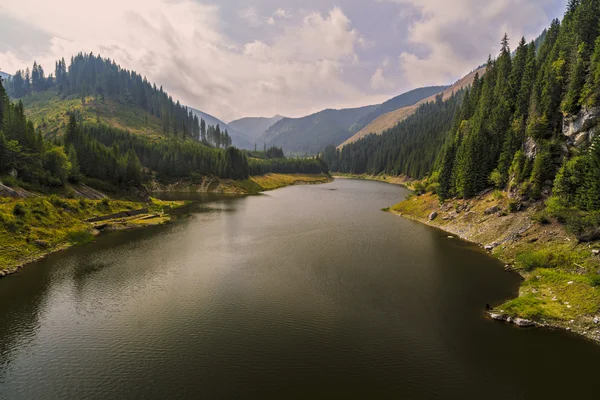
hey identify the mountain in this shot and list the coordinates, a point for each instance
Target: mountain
(254, 127)
(393, 118)
(311, 134)
(240, 139)
(4, 75)
(403, 100)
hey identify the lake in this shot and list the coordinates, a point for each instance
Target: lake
(303, 292)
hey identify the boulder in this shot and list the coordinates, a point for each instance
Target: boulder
(41, 244)
(433, 216)
(498, 317)
(523, 323)
(596, 252)
(492, 210)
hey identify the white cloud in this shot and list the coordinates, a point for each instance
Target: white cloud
(377, 80)
(453, 37)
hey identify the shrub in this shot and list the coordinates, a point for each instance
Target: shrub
(57, 201)
(19, 210)
(595, 280)
(497, 195)
(513, 206)
(10, 181)
(541, 217)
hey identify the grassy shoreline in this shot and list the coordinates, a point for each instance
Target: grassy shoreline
(560, 287)
(252, 185)
(394, 180)
(33, 227)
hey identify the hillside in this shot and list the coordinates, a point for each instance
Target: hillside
(393, 118)
(254, 127)
(50, 111)
(240, 138)
(311, 134)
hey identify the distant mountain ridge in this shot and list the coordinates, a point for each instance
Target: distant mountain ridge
(311, 134)
(254, 127)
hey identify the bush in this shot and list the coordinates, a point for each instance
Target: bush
(10, 181)
(497, 195)
(595, 280)
(19, 210)
(513, 206)
(541, 217)
(57, 201)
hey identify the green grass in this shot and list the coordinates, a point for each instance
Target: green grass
(49, 112)
(553, 294)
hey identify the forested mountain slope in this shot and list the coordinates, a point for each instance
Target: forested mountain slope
(411, 148)
(394, 117)
(254, 127)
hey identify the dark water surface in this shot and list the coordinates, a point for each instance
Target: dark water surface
(305, 292)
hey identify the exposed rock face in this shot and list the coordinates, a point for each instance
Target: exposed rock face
(530, 148)
(580, 128)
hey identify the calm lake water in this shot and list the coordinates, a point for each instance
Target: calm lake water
(304, 292)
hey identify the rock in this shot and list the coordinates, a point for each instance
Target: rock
(433, 216)
(523, 323)
(530, 148)
(596, 252)
(492, 210)
(41, 243)
(596, 320)
(580, 128)
(499, 317)
(489, 247)
(570, 283)
(509, 320)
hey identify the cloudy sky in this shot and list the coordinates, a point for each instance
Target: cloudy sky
(234, 58)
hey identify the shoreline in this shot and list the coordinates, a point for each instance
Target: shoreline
(401, 180)
(159, 213)
(506, 236)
